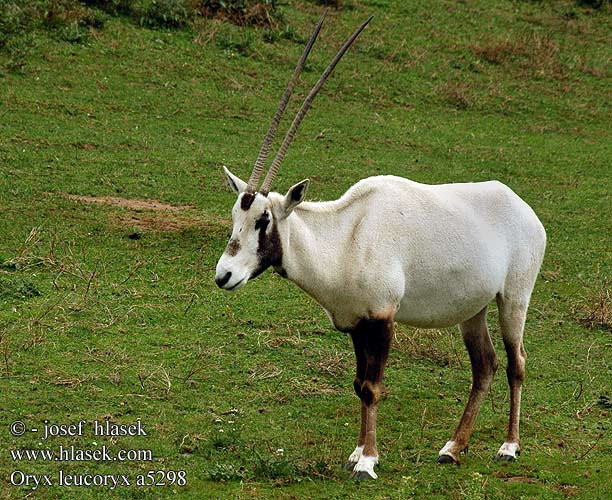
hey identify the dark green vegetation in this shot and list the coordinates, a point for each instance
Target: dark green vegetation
(108, 304)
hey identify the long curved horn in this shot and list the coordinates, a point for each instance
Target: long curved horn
(265, 148)
(265, 187)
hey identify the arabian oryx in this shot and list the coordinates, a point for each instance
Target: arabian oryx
(391, 249)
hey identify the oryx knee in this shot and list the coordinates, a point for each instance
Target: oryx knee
(370, 393)
(515, 372)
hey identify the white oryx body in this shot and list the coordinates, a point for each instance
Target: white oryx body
(388, 250)
(431, 255)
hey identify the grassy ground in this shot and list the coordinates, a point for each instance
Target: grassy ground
(108, 307)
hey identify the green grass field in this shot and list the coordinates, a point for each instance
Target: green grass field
(113, 213)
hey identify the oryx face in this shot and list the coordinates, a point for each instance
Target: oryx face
(254, 244)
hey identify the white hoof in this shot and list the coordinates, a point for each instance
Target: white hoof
(508, 452)
(449, 453)
(356, 455)
(354, 458)
(364, 468)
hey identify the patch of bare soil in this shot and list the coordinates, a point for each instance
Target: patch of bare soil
(511, 478)
(127, 203)
(147, 215)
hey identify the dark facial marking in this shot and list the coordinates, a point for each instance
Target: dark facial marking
(269, 248)
(247, 201)
(233, 247)
(262, 222)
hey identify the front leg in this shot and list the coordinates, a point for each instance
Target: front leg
(356, 455)
(361, 359)
(371, 339)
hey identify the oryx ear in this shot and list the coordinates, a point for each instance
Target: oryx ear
(237, 185)
(294, 197)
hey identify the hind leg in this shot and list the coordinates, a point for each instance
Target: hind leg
(484, 364)
(512, 316)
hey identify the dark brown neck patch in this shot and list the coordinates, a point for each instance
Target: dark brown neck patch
(269, 248)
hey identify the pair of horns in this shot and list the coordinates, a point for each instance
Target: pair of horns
(265, 148)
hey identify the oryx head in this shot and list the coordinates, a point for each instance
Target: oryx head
(255, 243)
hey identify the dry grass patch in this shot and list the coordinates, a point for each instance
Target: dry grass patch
(335, 365)
(595, 310)
(435, 346)
(531, 54)
(458, 95)
(147, 215)
(265, 372)
(131, 204)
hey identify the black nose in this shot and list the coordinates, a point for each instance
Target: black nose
(222, 281)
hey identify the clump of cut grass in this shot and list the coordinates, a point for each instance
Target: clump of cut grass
(596, 310)
(156, 381)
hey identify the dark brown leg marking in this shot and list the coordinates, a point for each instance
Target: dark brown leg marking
(371, 340)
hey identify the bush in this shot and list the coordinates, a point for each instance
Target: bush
(67, 19)
(166, 14)
(73, 20)
(113, 7)
(15, 19)
(336, 4)
(242, 12)
(22, 16)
